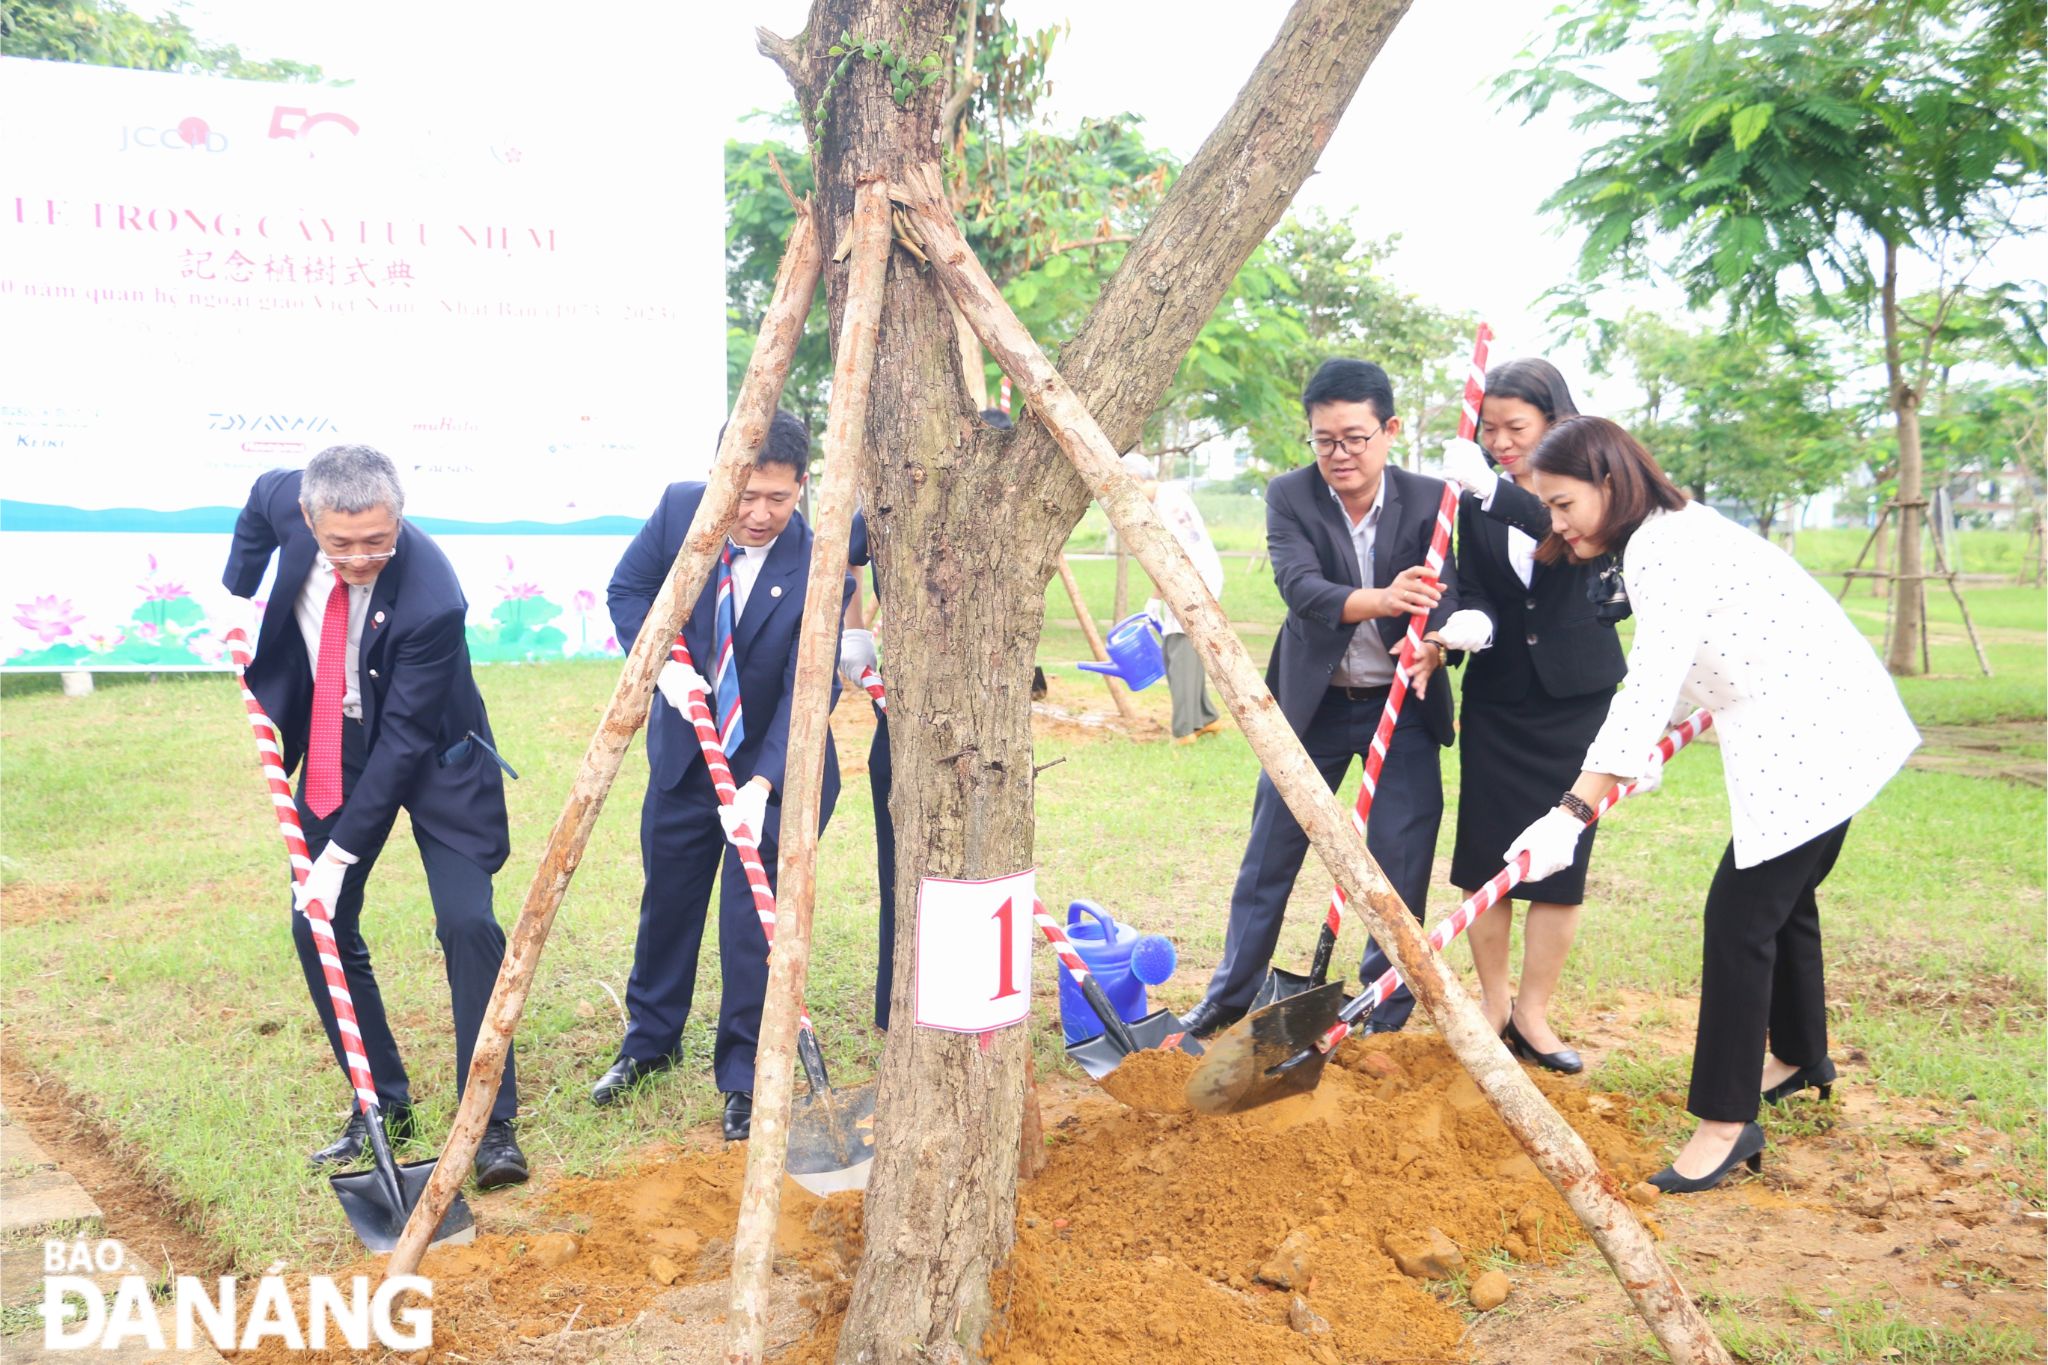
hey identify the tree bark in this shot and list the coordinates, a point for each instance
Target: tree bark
(967, 525)
(781, 330)
(803, 781)
(1555, 1147)
(1909, 590)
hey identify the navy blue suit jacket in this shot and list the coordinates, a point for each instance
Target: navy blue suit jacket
(764, 644)
(1309, 545)
(419, 696)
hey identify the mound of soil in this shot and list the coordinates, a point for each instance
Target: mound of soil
(1159, 1237)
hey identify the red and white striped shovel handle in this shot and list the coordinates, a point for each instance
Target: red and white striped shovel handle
(1504, 881)
(318, 916)
(745, 841)
(1439, 546)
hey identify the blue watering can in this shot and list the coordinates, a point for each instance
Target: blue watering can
(1106, 947)
(1136, 652)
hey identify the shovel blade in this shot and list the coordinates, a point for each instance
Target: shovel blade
(1244, 1065)
(1161, 1029)
(832, 1139)
(1278, 985)
(366, 1199)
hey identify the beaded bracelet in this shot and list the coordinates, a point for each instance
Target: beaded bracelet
(1570, 802)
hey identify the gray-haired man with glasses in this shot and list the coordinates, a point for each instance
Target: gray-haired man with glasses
(363, 665)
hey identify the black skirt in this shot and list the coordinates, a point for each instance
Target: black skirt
(1514, 760)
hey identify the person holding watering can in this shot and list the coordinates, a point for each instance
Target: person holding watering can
(1810, 729)
(1347, 536)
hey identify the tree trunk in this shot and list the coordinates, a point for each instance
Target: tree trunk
(968, 524)
(1909, 590)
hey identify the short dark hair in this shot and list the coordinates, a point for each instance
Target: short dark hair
(789, 443)
(1349, 381)
(1597, 451)
(997, 418)
(1535, 382)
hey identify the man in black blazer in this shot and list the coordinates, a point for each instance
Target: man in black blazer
(394, 719)
(1347, 537)
(682, 828)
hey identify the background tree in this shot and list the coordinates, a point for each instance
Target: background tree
(1809, 145)
(103, 33)
(1738, 414)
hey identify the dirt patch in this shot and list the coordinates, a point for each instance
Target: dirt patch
(31, 902)
(2010, 750)
(1152, 1080)
(154, 1226)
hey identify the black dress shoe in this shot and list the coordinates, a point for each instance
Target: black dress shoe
(625, 1073)
(400, 1126)
(739, 1115)
(1820, 1075)
(1564, 1060)
(1748, 1150)
(1208, 1019)
(499, 1162)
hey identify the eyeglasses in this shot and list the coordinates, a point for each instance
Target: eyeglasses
(358, 561)
(1326, 446)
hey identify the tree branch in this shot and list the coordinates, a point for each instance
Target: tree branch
(786, 53)
(968, 79)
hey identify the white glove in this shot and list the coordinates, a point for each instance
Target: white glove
(856, 653)
(1652, 776)
(676, 681)
(1550, 843)
(1465, 465)
(750, 808)
(1468, 630)
(323, 883)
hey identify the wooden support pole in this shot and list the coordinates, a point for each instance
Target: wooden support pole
(817, 657)
(1117, 693)
(781, 330)
(1556, 1149)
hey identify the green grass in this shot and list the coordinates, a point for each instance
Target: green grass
(146, 963)
(1862, 1331)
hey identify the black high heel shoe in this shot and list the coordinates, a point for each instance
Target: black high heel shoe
(1565, 1060)
(1748, 1151)
(1820, 1075)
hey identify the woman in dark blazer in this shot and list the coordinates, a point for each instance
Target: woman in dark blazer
(1536, 691)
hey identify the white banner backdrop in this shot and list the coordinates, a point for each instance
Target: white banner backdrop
(202, 279)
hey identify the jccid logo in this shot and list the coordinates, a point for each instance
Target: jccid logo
(78, 1314)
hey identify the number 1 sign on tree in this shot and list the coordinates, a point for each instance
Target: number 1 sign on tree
(974, 952)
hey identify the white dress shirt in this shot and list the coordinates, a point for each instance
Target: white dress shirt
(1177, 510)
(311, 612)
(1366, 662)
(746, 567)
(1810, 725)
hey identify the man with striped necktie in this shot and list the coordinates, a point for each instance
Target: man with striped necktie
(742, 632)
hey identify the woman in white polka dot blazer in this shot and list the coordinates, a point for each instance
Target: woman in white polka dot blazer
(1810, 729)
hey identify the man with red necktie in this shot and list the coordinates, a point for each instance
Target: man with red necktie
(742, 633)
(362, 664)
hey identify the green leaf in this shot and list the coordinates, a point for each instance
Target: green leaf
(1748, 125)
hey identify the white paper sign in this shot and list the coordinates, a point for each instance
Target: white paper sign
(974, 952)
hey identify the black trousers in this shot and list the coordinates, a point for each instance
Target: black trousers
(682, 849)
(1760, 975)
(472, 945)
(879, 780)
(1408, 806)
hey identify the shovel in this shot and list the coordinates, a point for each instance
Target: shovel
(378, 1201)
(831, 1132)
(1105, 1052)
(1281, 1050)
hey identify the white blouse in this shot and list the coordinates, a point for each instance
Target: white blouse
(1810, 724)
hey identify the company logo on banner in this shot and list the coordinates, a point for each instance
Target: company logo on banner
(204, 279)
(974, 952)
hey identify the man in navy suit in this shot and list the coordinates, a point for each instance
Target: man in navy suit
(742, 635)
(1347, 537)
(362, 664)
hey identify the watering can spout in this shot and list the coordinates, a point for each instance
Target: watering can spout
(1136, 653)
